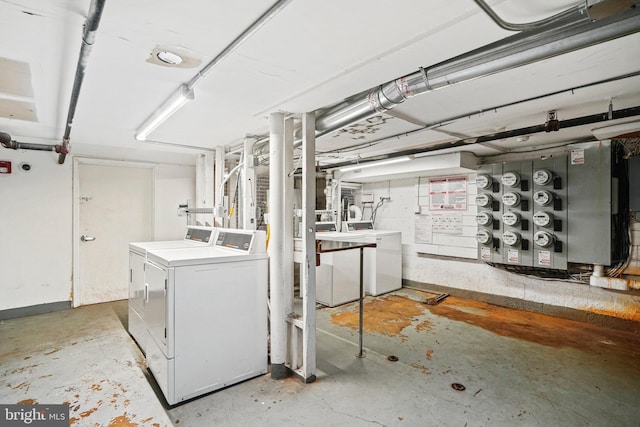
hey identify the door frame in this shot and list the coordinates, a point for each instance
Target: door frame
(75, 235)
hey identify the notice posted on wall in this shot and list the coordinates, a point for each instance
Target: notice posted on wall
(449, 223)
(423, 229)
(485, 253)
(448, 194)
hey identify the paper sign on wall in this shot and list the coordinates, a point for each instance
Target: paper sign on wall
(448, 194)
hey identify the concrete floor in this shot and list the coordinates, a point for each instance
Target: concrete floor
(517, 368)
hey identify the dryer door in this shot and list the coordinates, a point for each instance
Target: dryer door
(156, 307)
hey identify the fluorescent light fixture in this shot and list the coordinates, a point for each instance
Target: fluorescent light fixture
(378, 163)
(168, 107)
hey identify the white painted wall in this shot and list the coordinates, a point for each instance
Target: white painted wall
(35, 230)
(173, 186)
(423, 263)
(36, 225)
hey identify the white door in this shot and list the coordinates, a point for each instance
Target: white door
(114, 208)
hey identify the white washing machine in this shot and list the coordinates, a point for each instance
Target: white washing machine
(207, 314)
(382, 264)
(338, 275)
(195, 236)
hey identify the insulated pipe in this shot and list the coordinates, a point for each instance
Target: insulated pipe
(515, 51)
(288, 215)
(88, 38)
(276, 247)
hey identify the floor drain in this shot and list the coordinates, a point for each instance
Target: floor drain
(458, 387)
(392, 358)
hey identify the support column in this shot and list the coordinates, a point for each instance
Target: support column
(204, 186)
(218, 186)
(248, 187)
(308, 278)
(288, 215)
(276, 246)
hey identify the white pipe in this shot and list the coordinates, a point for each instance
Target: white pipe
(219, 176)
(276, 248)
(248, 187)
(598, 270)
(288, 215)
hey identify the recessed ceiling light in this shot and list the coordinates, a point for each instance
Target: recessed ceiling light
(169, 57)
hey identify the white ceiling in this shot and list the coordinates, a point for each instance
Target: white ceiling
(311, 55)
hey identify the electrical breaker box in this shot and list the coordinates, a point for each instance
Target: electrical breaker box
(590, 206)
(551, 211)
(634, 190)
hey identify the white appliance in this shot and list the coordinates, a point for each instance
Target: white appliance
(338, 275)
(195, 236)
(382, 264)
(207, 314)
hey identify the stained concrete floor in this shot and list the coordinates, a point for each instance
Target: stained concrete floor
(516, 367)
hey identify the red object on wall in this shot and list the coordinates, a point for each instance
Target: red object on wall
(5, 166)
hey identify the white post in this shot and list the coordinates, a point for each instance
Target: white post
(218, 187)
(276, 248)
(204, 186)
(288, 215)
(309, 246)
(248, 187)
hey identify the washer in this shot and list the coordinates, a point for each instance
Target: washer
(195, 236)
(206, 314)
(382, 264)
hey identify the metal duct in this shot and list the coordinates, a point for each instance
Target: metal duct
(88, 38)
(515, 51)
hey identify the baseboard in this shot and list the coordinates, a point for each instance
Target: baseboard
(510, 302)
(32, 310)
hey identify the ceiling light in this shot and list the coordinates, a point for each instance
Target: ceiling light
(168, 107)
(378, 163)
(169, 57)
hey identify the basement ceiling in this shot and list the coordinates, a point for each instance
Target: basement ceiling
(308, 57)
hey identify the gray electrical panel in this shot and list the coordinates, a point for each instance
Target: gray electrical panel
(516, 213)
(550, 201)
(634, 188)
(550, 211)
(590, 203)
(488, 216)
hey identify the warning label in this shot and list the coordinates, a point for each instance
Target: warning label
(577, 157)
(544, 258)
(485, 253)
(513, 256)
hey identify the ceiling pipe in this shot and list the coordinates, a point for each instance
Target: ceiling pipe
(530, 130)
(88, 39)
(7, 142)
(514, 51)
(577, 12)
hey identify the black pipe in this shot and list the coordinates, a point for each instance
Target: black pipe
(564, 124)
(88, 38)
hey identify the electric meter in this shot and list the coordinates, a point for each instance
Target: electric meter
(510, 179)
(543, 239)
(484, 218)
(511, 199)
(510, 238)
(542, 177)
(511, 218)
(484, 182)
(484, 237)
(542, 219)
(542, 197)
(483, 200)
